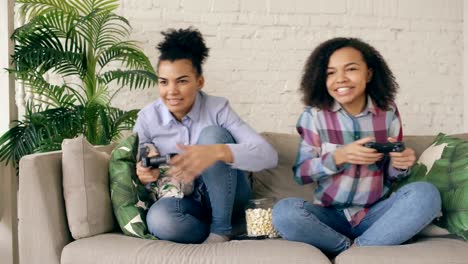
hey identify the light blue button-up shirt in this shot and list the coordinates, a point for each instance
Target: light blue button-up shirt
(156, 125)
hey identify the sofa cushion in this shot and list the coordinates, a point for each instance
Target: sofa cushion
(445, 164)
(279, 182)
(418, 143)
(422, 251)
(115, 248)
(130, 199)
(86, 188)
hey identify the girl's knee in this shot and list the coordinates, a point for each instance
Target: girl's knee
(160, 217)
(215, 135)
(284, 210)
(426, 195)
(166, 221)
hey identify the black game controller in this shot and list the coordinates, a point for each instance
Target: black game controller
(386, 147)
(154, 162)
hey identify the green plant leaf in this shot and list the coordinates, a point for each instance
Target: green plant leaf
(76, 41)
(29, 9)
(132, 78)
(128, 54)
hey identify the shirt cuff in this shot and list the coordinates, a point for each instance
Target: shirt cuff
(329, 163)
(242, 159)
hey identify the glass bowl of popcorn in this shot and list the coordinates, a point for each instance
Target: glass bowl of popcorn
(259, 218)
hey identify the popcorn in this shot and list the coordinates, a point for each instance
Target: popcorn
(259, 222)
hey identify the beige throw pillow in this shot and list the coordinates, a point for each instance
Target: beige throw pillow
(86, 188)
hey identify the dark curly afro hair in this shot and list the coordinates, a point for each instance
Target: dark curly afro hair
(382, 87)
(184, 44)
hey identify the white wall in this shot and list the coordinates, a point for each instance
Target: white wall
(258, 49)
(8, 112)
(8, 109)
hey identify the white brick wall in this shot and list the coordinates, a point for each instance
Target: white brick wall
(258, 48)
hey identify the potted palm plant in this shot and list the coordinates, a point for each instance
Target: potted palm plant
(84, 42)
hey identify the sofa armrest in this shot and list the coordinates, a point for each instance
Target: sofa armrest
(42, 224)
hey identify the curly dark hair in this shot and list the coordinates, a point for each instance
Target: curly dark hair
(184, 44)
(382, 87)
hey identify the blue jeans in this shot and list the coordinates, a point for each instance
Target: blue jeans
(220, 196)
(389, 222)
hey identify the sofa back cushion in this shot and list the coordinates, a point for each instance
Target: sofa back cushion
(420, 143)
(279, 182)
(86, 188)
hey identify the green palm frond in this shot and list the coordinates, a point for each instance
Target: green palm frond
(33, 8)
(19, 141)
(61, 122)
(132, 78)
(60, 98)
(88, 6)
(29, 9)
(99, 97)
(104, 29)
(42, 50)
(39, 132)
(62, 23)
(49, 94)
(128, 53)
(44, 59)
(66, 27)
(121, 120)
(106, 5)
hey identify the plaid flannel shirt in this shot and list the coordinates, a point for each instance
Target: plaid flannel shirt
(349, 187)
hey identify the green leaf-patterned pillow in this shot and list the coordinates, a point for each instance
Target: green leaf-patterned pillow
(130, 199)
(445, 164)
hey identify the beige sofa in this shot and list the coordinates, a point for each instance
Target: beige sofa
(44, 236)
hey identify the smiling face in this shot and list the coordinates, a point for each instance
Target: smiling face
(178, 86)
(347, 76)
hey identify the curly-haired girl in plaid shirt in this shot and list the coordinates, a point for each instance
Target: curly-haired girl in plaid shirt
(349, 91)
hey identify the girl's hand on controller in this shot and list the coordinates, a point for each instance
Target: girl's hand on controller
(356, 153)
(402, 160)
(148, 175)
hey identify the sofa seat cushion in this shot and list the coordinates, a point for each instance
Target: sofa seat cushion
(422, 251)
(118, 248)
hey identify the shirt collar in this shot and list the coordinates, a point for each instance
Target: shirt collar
(370, 107)
(194, 113)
